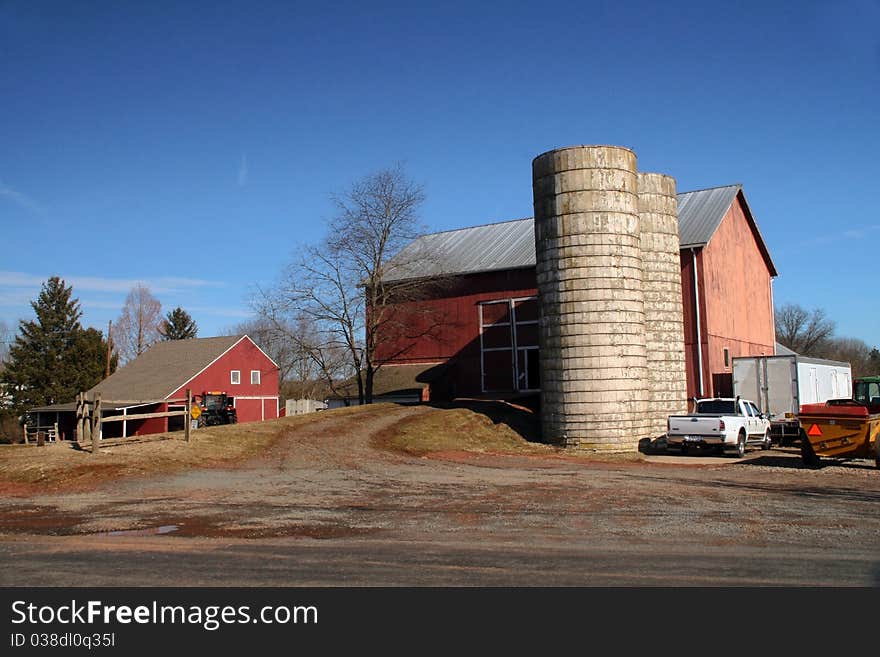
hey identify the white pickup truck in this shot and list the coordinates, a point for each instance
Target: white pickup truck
(723, 423)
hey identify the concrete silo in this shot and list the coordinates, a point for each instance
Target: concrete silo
(594, 378)
(664, 320)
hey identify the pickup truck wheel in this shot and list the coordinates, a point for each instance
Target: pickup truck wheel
(741, 445)
(765, 444)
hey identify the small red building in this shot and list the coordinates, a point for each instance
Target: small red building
(157, 381)
(477, 334)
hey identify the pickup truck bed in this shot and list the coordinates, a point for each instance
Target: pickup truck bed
(738, 425)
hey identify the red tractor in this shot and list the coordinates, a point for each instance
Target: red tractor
(217, 408)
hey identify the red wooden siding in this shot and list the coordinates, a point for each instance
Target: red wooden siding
(737, 294)
(446, 327)
(253, 402)
(691, 355)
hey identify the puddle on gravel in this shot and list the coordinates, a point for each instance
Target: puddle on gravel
(149, 531)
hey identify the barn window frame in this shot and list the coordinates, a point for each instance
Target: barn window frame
(515, 349)
(255, 380)
(234, 377)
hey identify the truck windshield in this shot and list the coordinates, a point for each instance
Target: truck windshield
(213, 402)
(867, 392)
(717, 406)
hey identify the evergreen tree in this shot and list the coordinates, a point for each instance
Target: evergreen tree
(53, 358)
(90, 357)
(178, 325)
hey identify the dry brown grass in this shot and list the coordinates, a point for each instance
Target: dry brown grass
(26, 469)
(482, 427)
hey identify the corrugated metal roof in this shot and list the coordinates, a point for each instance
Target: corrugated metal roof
(504, 245)
(511, 244)
(163, 368)
(700, 213)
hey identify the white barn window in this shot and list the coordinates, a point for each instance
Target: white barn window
(255, 377)
(235, 377)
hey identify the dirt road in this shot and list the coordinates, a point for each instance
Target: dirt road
(325, 506)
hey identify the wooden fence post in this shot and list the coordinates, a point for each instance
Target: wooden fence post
(24, 432)
(78, 418)
(98, 413)
(87, 419)
(187, 419)
(96, 423)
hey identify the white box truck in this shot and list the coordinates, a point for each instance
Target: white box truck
(781, 384)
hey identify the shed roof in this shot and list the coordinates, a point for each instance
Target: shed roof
(511, 244)
(163, 368)
(396, 379)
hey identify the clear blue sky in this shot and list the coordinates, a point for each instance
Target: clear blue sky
(193, 146)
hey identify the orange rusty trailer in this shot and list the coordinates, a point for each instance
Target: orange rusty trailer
(840, 429)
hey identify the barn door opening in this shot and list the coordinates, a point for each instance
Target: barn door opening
(496, 346)
(509, 345)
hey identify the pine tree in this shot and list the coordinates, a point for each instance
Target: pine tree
(90, 359)
(53, 358)
(178, 325)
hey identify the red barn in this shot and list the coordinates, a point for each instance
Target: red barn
(157, 380)
(484, 320)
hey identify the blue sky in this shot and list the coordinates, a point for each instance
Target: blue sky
(194, 146)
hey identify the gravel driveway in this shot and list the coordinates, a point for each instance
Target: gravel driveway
(325, 507)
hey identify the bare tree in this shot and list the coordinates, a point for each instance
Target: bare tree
(279, 341)
(854, 351)
(804, 332)
(350, 288)
(307, 368)
(139, 325)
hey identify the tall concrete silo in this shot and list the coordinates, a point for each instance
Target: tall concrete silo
(589, 270)
(664, 320)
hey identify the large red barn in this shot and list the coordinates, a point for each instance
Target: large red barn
(485, 339)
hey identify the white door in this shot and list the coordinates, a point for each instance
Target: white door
(814, 386)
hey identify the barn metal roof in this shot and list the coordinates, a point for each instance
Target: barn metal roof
(511, 244)
(700, 213)
(163, 368)
(503, 245)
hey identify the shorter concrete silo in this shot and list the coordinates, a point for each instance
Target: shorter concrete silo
(664, 321)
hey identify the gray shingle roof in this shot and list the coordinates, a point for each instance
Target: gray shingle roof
(163, 368)
(511, 244)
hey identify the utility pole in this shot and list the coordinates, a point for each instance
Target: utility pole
(109, 347)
